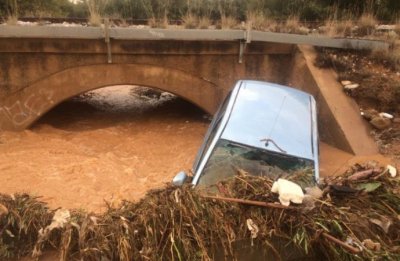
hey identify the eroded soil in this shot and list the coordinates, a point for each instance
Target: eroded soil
(379, 89)
(107, 145)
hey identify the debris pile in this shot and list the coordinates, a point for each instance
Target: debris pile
(351, 217)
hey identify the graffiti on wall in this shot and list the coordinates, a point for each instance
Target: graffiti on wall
(24, 111)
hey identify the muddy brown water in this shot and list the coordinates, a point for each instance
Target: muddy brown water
(110, 144)
(107, 145)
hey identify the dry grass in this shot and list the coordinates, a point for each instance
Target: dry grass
(228, 22)
(259, 21)
(389, 58)
(342, 28)
(12, 17)
(256, 20)
(190, 21)
(12, 20)
(96, 8)
(397, 27)
(153, 22)
(366, 24)
(293, 26)
(205, 22)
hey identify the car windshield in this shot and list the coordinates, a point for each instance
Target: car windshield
(228, 158)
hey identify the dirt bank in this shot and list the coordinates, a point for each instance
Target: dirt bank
(378, 77)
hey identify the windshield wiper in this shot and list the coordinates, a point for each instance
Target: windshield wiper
(267, 141)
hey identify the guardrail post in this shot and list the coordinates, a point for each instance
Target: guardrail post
(107, 39)
(243, 43)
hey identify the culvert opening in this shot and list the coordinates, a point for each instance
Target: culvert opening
(109, 144)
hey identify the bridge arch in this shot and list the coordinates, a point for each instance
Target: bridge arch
(19, 110)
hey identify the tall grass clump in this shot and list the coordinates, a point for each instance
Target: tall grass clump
(293, 25)
(228, 22)
(366, 24)
(341, 28)
(205, 22)
(190, 21)
(12, 17)
(153, 22)
(96, 9)
(257, 20)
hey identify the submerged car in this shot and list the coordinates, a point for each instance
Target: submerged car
(261, 128)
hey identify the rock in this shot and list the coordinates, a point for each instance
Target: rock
(344, 83)
(288, 192)
(386, 115)
(369, 114)
(380, 123)
(386, 27)
(392, 170)
(351, 86)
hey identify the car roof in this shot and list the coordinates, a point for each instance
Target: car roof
(263, 110)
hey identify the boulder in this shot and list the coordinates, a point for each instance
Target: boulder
(369, 114)
(380, 123)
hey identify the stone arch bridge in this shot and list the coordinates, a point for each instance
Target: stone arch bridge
(41, 66)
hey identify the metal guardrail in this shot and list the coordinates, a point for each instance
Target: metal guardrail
(88, 32)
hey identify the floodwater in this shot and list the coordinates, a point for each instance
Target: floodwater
(110, 144)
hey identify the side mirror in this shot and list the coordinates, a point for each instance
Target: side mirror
(179, 179)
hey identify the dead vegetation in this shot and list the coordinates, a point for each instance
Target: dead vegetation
(227, 22)
(96, 9)
(190, 21)
(12, 17)
(357, 217)
(340, 28)
(162, 23)
(366, 24)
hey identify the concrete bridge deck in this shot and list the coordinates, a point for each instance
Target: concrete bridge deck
(42, 66)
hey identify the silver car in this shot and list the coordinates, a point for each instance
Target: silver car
(260, 128)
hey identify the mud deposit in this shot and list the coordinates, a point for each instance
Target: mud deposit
(106, 145)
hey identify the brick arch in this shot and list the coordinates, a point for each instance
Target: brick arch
(19, 110)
